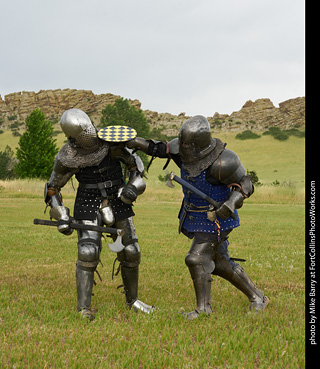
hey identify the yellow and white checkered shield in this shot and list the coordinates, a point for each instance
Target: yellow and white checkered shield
(117, 133)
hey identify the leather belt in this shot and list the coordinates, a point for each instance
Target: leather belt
(102, 186)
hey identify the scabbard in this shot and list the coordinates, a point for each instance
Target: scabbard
(116, 231)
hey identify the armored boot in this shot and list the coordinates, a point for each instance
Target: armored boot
(238, 277)
(130, 277)
(202, 287)
(85, 280)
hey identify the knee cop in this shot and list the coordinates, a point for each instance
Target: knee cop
(200, 254)
(130, 256)
(88, 254)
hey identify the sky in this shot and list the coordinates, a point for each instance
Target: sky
(192, 56)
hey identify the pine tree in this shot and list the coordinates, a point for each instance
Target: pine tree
(7, 164)
(37, 149)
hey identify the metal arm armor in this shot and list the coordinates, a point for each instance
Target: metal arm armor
(52, 196)
(60, 174)
(136, 184)
(139, 143)
(229, 170)
(154, 148)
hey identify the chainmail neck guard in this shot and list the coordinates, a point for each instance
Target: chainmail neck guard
(72, 156)
(195, 168)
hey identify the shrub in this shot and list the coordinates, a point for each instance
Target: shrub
(295, 132)
(254, 177)
(247, 135)
(280, 135)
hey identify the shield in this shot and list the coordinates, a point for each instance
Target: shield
(117, 133)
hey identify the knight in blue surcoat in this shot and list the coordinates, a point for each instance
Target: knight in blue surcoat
(209, 166)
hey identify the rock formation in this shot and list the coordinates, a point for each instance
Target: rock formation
(257, 115)
(18, 105)
(262, 114)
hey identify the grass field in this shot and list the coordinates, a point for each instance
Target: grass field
(39, 327)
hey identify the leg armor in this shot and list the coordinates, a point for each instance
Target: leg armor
(129, 259)
(235, 274)
(89, 248)
(200, 263)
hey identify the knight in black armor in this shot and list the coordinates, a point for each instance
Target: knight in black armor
(102, 198)
(218, 172)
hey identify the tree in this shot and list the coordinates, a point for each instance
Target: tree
(37, 149)
(124, 114)
(7, 163)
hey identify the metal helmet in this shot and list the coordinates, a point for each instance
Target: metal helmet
(195, 141)
(78, 128)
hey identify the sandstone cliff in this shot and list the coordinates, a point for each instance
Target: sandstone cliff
(262, 114)
(18, 105)
(257, 115)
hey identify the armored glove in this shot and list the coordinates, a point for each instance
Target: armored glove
(61, 213)
(128, 194)
(234, 201)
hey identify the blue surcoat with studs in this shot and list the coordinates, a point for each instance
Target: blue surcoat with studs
(193, 213)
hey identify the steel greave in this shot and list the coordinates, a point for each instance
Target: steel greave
(84, 280)
(202, 287)
(130, 278)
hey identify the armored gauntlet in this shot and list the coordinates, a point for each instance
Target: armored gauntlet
(58, 211)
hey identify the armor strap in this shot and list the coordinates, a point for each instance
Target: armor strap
(101, 170)
(169, 156)
(237, 185)
(87, 265)
(153, 155)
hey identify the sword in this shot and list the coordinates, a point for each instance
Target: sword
(202, 195)
(117, 246)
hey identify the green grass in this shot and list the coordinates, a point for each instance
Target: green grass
(39, 326)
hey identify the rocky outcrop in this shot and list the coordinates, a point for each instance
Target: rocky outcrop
(258, 115)
(262, 114)
(18, 105)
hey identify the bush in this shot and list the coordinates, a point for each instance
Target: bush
(254, 177)
(247, 135)
(295, 132)
(281, 136)
(276, 133)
